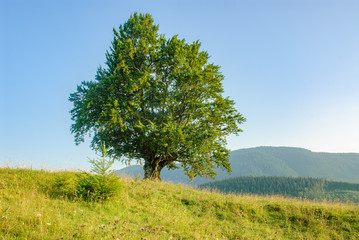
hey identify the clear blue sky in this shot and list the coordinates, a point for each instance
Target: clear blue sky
(292, 67)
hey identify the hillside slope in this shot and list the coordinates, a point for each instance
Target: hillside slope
(152, 210)
(274, 161)
(301, 187)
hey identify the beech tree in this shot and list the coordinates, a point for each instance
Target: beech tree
(158, 101)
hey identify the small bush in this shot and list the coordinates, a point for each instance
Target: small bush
(102, 184)
(63, 186)
(95, 187)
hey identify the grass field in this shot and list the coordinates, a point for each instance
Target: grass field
(29, 209)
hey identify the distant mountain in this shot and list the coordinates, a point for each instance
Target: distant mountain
(273, 161)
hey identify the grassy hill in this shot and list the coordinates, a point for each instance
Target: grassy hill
(274, 161)
(152, 210)
(311, 188)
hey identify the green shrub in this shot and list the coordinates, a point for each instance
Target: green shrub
(95, 187)
(63, 187)
(102, 184)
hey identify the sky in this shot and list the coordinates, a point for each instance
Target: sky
(292, 67)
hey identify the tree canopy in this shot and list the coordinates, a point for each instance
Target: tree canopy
(158, 101)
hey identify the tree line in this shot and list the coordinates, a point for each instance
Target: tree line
(301, 187)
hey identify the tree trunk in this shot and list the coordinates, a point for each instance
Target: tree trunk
(152, 171)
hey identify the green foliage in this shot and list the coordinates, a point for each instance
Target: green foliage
(158, 101)
(102, 166)
(309, 188)
(94, 188)
(63, 186)
(101, 185)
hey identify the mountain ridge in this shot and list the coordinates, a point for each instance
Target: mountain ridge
(273, 161)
